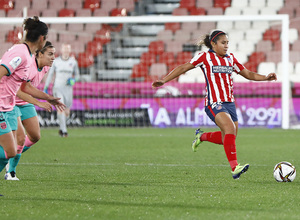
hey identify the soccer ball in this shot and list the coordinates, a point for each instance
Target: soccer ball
(284, 172)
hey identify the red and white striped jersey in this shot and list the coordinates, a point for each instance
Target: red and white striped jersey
(218, 75)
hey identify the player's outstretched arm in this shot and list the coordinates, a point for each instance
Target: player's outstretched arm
(31, 90)
(173, 74)
(28, 98)
(257, 77)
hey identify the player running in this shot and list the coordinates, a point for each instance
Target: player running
(217, 67)
(66, 72)
(15, 73)
(28, 119)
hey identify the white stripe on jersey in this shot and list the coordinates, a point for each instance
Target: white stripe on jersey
(215, 67)
(209, 59)
(213, 78)
(222, 80)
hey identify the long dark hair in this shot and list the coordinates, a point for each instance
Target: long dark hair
(208, 38)
(34, 28)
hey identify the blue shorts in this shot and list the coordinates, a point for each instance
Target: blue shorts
(27, 111)
(215, 108)
(8, 121)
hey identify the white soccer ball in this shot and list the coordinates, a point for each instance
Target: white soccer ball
(284, 172)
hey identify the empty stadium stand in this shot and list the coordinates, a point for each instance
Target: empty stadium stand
(116, 49)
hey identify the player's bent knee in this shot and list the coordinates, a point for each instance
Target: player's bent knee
(11, 153)
(21, 141)
(35, 138)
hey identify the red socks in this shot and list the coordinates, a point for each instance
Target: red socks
(230, 150)
(229, 145)
(213, 137)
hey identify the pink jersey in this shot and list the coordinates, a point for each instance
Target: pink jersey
(18, 62)
(218, 75)
(35, 81)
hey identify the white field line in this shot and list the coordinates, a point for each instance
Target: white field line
(134, 164)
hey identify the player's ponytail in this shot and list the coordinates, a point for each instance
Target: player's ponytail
(34, 28)
(204, 40)
(208, 38)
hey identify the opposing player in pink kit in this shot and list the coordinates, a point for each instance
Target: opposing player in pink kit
(28, 119)
(16, 69)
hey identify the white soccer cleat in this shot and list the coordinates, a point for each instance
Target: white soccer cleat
(7, 167)
(11, 176)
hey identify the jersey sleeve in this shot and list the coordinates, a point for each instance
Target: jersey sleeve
(237, 66)
(13, 60)
(198, 59)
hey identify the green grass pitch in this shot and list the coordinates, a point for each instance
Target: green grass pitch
(148, 173)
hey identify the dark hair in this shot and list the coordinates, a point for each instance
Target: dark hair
(48, 44)
(208, 38)
(34, 28)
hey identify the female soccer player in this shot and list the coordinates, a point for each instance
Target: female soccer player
(217, 67)
(28, 119)
(16, 72)
(66, 72)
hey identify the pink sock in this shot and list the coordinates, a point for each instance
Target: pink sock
(19, 149)
(213, 137)
(230, 150)
(28, 143)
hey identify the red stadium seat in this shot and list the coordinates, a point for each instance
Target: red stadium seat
(188, 4)
(14, 36)
(148, 59)
(66, 13)
(172, 26)
(157, 47)
(139, 70)
(167, 58)
(222, 4)
(272, 35)
(197, 11)
(94, 48)
(183, 57)
(103, 36)
(252, 66)
(85, 60)
(118, 12)
(257, 57)
(6, 5)
(91, 4)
